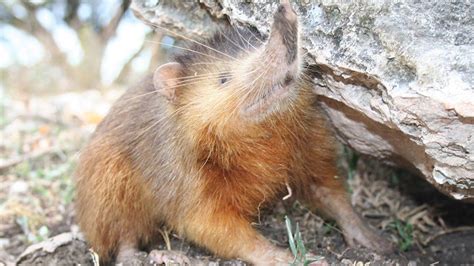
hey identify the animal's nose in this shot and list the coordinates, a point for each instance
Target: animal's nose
(286, 10)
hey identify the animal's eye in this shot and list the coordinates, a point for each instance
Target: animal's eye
(288, 80)
(224, 78)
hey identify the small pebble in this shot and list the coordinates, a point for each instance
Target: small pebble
(4, 242)
(19, 187)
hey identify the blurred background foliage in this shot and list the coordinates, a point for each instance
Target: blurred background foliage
(71, 45)
(62, 64)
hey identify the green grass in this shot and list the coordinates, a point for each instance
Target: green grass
(43, 178)
(405, 234)
(51, 185)
(297, 247)
(329, 227)
(394, 179)
(31, 235)
(352, 159)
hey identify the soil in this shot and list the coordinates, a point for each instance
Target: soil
(36, 203)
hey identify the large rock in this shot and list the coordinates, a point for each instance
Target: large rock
(395, 77)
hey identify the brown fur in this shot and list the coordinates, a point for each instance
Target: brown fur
(230, 179)
(204, 158)
(107, 204)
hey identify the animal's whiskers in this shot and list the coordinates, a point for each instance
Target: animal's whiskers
(185, 49)
(192, 40)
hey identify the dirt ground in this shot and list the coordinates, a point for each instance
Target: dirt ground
(41, 139)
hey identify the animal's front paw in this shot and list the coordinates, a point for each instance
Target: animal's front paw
(358, 232)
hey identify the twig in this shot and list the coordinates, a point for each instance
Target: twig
(33, 155)
(338, 255)
(447, 231)
(39, 118)
(166, 237)
(95, 257)
(289, 192)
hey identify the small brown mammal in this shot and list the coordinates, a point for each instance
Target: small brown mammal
(204, 142)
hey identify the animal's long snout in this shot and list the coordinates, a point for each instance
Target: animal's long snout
(287, 11)
(277, 63)
(285, 27)
(280, 54)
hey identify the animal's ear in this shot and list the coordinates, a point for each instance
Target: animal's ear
(166, 79)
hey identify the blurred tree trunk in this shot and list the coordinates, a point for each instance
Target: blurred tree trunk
(94, 45)
(157, 56)
(45, 37)
(93, 38)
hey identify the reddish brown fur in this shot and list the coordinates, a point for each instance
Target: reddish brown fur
(236, 178)
(103, 205)
(238, 175)
(202, 165)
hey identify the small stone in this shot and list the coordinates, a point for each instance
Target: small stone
(19, 187)
(4, 242)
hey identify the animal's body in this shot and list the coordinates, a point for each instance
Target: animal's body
(205, 142)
